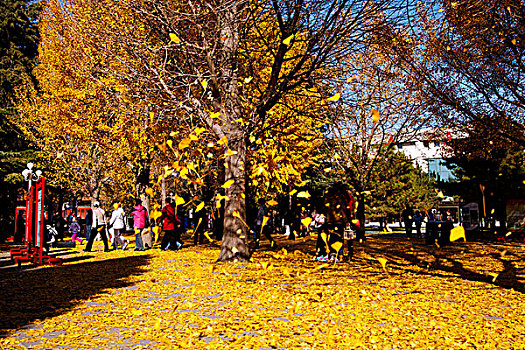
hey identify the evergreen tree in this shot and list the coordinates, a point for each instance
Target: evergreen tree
(18, 51)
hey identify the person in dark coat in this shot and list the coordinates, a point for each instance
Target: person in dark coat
(408, 219)
(339, 214)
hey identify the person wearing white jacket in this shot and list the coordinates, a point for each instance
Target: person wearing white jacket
(117, 222)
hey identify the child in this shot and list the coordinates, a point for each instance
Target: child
(74, 230)
(147, 235)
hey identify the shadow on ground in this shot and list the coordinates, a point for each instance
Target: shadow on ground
(468, 261)
(28, 295)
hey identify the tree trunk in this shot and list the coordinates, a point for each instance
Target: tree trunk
(360, 215)
(141, 184)
(234, 241)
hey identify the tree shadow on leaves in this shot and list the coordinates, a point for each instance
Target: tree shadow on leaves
(29, 295)
(446, 259)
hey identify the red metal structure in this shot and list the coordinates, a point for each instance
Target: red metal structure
(33, 250)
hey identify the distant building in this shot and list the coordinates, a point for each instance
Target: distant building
(429, 151)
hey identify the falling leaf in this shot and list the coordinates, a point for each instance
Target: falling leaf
(272, 202)
(215, 115)
(169, 143)
(337, 246)
(303, 194)
(306, 221)
(207, 234)
(288, 40)
(204, 84)
(199, 131)
(230, 153)
(349, 80)
(247, 80)
(179, 200)
(457, 233)
(149, 191)
(184, 143)
(375, 115)
(199, 207)
(223, 141)
(494, 275)
(383, 262)
(228, 183)
(334, 98)
(322, 266)
(174, 38)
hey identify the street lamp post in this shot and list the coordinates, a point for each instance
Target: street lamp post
(30, 175)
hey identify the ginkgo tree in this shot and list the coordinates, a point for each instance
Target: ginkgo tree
(215, 50)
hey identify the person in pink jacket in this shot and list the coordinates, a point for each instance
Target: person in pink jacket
(140, 221)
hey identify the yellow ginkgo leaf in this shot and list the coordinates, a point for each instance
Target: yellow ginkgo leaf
(204, 84)
(199, 131)
(184, 143)
(265, 264)
(247, 80)
(169, 143)
(336, 246)
(382, 261)
(223, 141)
(324, 237)
(457, 233)
(207, 234)
(156, 214)
(60, 154)
(199, 207)
(194, 137)
(306, 221)
(272, 202)
(334, 98)
(322, 266)
(215, 115)
(375, 115)
(288, 40)
(494, 275)
(265, 220)
(235, 250)
(174, 38)
(228, 183)
(349, 80)
(149, 191)
(303, 194)
(230, 153)
(179, 200)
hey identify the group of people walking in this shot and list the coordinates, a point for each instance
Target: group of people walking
(143, 226)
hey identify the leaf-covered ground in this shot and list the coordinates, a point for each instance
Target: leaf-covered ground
(463, 296)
